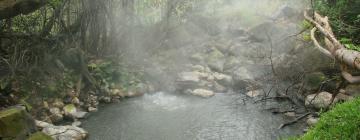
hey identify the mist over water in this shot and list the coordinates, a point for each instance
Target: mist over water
(247, 32)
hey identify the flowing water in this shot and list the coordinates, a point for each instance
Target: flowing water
(165, 116)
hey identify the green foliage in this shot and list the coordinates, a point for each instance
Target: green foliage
(340, 123)
(110, 74)
(343, 15)
(348, 44)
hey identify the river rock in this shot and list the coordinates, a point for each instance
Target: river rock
(203, 93)
(320, 100)
(92, 109)
(56, 115)
(58, 103)
(223, 79)
(254, 93)
(15, 122)
(80, 114)
(62, 132)
(104, 99)
(76, 123)
(311, 121)
(69, 109)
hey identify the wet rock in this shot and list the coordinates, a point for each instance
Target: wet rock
(69, 110)
(80, 114)
(290, 114)
(319, 101)
(62, 132)
(76, 124)
(254, 93)
(39, 136)
(312, 121)
(203, 93)
(92, 109)
(15, 122)
(56, 114)
(105, 99)
(223, 79)
(188, 80)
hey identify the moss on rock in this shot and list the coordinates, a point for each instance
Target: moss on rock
(15, 122)
(39, 136)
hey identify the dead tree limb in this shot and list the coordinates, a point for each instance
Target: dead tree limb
(333, 48)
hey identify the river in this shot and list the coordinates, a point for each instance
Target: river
(165, 116)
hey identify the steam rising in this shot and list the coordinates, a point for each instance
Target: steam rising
(161, 40)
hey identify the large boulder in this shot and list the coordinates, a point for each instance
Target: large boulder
(67, 132)
(321, 100)
(16, 123)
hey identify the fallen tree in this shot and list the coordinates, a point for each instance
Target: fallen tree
(333, 48)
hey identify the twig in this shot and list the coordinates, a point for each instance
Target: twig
(293, 121)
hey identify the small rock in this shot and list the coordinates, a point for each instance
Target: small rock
(56, 115)
(69, 109)
(80, 114)
(76, 124)
(104, 99)
(311, 121)
(58, 103)
(75, 101)
(321, 100)
(203, 93)
(290, 114)
(223, 79)
(254, 93)
(344, 97)
(92, 109)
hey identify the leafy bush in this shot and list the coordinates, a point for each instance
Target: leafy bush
(340, 123)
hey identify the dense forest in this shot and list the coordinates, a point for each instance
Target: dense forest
(61, 60)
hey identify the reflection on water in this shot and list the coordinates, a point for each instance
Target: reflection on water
(164, 116)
